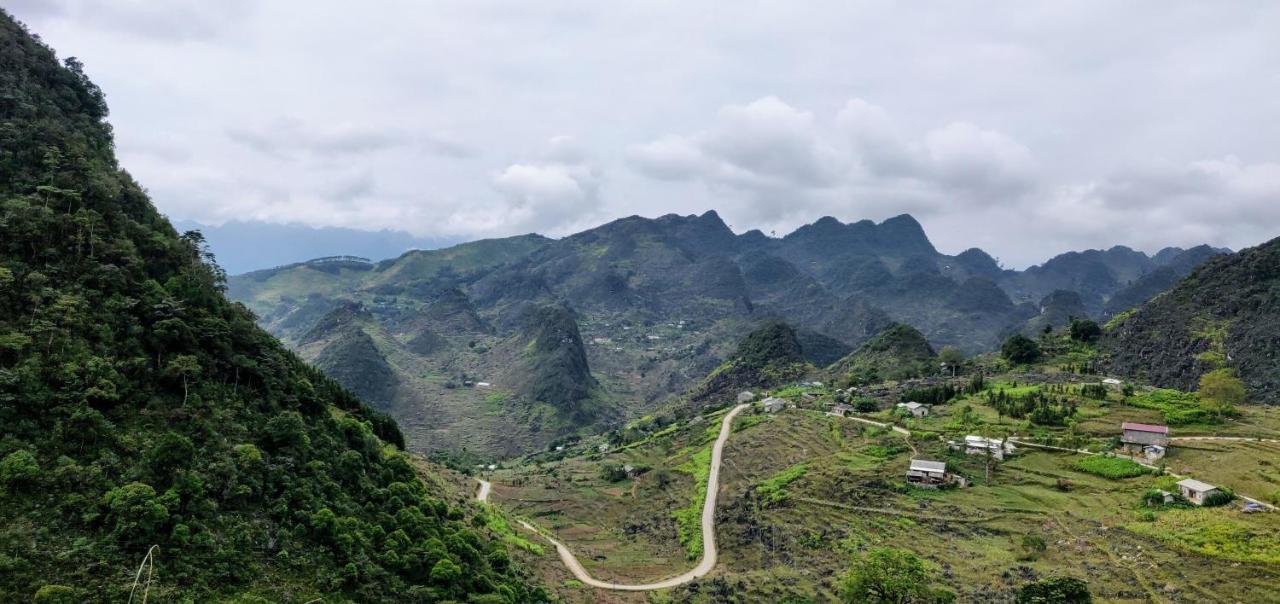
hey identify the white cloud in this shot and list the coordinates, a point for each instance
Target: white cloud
(775, 161)
(765, 144)
(1169, 204)
(995, 125)
(169, 21)
(554, 194)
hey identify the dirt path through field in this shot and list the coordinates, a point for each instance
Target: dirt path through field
(709, 552)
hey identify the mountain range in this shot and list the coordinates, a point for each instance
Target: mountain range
(241, 246)
(657, 304)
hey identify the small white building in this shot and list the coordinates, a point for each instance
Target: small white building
(773, 404)
(981, 445)
(484, 385)
(746, 396)
(1113, 382)
(840, 410)
(926, 473)
(916, 409)
(1195, 491)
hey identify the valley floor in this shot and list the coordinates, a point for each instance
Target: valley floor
(803, 493)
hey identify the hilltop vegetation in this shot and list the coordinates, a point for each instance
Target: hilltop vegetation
(767, 357)
(141, 411)
(1226, 314)
(897, 353)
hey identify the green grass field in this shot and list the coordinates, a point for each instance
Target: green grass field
(803, 493)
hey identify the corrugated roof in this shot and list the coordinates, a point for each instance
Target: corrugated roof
(924, 465)
(1196, 485)
(1145, 427)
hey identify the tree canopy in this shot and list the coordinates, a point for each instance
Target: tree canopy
(1020, 349)
(1221, 392)
(139, 407)
(890, 576)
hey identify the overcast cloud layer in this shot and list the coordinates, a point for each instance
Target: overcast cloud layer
(1025, 130)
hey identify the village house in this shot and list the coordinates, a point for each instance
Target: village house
(773, 404)
(925, 473)
(746, 396)
(1149, 440)
(840, 410)
(980, 445)
(1195, 491)
(1112, 382)
(916, 409)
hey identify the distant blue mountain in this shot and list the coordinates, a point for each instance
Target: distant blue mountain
(243, 246)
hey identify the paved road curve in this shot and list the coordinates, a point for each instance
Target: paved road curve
(708, 526)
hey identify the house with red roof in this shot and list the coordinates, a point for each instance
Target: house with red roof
(1150, 440)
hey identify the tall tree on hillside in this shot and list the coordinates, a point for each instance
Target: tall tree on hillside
(952, 356)
(1085, 330)
(890, 576)
(1020, 349)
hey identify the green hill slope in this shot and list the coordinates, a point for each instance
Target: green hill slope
(1226, 313)
(139, 408)
(898, 352)
(769, 356)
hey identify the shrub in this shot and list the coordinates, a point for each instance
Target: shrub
(1055, 590)
(613, 473)
(866, 405)
(56, 594)
(18, 467)
(1219, 498)
(1032, 547)
(1109, 467)
(137, 510)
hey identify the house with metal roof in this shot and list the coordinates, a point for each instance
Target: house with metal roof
(773, 404)
(916, 409)
(1195, 491)
(1149, 440)
(926, 473)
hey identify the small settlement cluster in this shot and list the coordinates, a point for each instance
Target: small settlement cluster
(1141, 442)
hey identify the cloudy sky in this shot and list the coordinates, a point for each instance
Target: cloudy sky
(1025, 130)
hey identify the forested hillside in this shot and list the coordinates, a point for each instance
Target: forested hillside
(1225, 315)
(140, 410)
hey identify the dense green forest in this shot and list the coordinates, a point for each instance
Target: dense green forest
(140, 408)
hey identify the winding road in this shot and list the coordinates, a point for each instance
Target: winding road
(708, 561)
